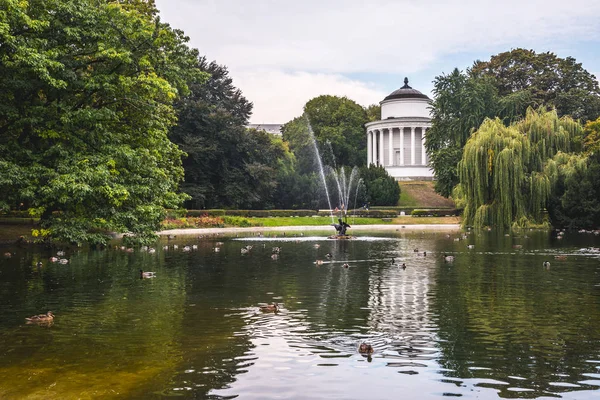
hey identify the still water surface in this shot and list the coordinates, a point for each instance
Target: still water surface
(493, 323)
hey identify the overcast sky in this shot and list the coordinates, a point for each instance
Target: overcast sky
(282, 53)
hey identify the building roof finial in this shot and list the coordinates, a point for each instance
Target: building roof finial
(406, 84)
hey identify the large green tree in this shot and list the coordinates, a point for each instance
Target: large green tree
(227, 165)
(550, 81)
(338, 122)
(508, 174)
(460, 105)
(85, 106)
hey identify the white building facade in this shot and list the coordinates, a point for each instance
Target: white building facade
(397, 141)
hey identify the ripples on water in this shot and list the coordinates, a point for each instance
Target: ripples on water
(493, 323)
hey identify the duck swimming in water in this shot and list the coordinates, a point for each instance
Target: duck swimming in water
(269, 307)
(365, 348)
(145, 275)
(48, 317)
(448, 258)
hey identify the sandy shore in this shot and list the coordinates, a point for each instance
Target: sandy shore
(357, 228)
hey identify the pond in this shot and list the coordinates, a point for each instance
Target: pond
(494, 322)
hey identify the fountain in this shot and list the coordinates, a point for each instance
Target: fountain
(344, 189)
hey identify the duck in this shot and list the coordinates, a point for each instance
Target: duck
(328, 256)
(345, 265)
(403, 265)
(448, 258)
(470, 246)
(546, 264)
(274, 256)
(274, 307)
(147, 274)
(48, 317)
(319, 262)
(365, 348)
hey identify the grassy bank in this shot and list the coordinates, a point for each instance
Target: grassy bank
(421, 194)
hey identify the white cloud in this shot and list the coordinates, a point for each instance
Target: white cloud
(282, 53)
(280, 96)
(377, 36)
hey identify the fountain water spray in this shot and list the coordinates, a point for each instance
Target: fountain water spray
(321, 170)
(344, 186)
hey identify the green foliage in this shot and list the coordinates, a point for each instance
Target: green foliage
(85, 106)
(507, 174)
(227, 165)
(549, 80)
(460, 105)
(338, 122)
(373, 112)
(381, 188)
(504, 87)
(591, 132)
(434, 213)
(576, 203)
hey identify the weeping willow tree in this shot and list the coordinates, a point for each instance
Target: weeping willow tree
(507, 173)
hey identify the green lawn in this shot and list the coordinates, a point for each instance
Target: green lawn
(310, 221)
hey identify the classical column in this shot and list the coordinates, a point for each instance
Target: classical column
(423, 151)
(369, 148)
(401, 145)
(381, 147)
(391, 146)
(374, 148)
(412, 145)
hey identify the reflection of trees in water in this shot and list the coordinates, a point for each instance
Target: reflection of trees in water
(212, 332)
(112, 333)
(503, 315)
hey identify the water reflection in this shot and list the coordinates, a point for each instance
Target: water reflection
(493, 323)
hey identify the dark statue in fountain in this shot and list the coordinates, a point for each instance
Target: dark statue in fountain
(341, 227)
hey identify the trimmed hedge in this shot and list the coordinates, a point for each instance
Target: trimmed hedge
(435, 212)
(16, 214)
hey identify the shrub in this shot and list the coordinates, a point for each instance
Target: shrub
(434, 212)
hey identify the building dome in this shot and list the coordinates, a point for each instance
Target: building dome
(406, 92)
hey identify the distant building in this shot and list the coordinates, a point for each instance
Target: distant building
(397, 141)
(274, 129)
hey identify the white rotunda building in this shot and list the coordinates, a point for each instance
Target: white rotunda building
(397, 141)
